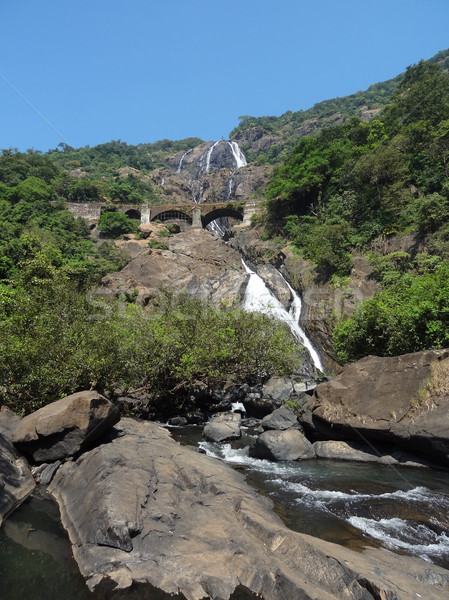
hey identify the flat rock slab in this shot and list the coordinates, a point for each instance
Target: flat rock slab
(380, 398)
(223, 426)
(16, 481)
(352, 451)
(65, 427)
(144, 509)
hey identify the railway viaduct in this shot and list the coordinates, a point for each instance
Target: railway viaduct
(194, 215)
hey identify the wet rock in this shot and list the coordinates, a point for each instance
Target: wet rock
(65, 427)
(144, 509)
(16, 481)
(223, 426)
(178, 421)
(280, 419)
(43, 474)
(276, 284)
(385, 400)
(352, 451)
(290, 444)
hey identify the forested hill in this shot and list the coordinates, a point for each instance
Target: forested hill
(271, 139)
(352, 186)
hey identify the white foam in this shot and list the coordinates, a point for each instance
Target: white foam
(401, 535)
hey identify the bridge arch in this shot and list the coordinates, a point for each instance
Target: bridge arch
(218, 213)
(133, 213)
(171, 215)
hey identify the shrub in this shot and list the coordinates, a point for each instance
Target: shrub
(114, 224)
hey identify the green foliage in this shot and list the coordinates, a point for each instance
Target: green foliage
(353, 183)
(411, 314)
(115, 224)
(157, 245)
(55, 340)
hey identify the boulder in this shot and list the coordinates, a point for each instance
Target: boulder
(338, 450)
(16, 481)
(223, 426)
(401, 400)
(65, 427)
(280, 419)
(278, 389)
(143, 510)
(282, 445)
(195, 262)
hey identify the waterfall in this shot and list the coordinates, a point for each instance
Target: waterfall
(239, 157)
(209, 154)
(179, 169)
(258, 298)
(230, 187)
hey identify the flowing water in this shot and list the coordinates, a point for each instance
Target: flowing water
(258, 298)
(239, 157)
(353, 504)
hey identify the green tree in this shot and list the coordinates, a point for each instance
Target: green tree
(115, 224)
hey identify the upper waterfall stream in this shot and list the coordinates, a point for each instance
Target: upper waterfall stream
(259, 298)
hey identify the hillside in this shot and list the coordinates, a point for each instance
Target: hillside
(271, 139)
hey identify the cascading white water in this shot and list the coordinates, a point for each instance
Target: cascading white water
(258, 298)
(239, 157)
(179, 169)
(208, 156)
(230, 188)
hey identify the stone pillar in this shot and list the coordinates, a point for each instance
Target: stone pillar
(248, 211)
(196, 218)
(145, 215)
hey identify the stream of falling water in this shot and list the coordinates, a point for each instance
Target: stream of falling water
(259, 298)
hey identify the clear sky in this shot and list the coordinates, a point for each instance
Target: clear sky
(90, 71)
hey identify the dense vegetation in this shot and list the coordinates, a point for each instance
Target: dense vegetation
(115, 170)
(57, 335)
(352, 183)
(55, 340)
(290, 127)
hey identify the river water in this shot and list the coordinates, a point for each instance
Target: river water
(353, 504)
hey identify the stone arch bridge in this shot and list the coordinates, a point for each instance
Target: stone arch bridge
(194, 215)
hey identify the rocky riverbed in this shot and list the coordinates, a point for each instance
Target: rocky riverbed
(142, 510)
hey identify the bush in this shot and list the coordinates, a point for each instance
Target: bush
(412, 314)
(54, 341)
(114, 224)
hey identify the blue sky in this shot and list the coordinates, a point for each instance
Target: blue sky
(144, 70)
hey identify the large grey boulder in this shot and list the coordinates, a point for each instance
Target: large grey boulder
(278, 389)
(290, 444)
(280, 419)
(223, 426)
(143, 509)
(65, 427)
(352, 451)
(16, 481)
(400, 400)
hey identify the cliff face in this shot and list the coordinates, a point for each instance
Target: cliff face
(210, 172)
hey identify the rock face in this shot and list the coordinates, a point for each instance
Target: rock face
(16, 481)
(65, 427)
(321, 302)
(143, 509)
(385, 400)
(196, 261)
(223, 426)
(290, 444)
